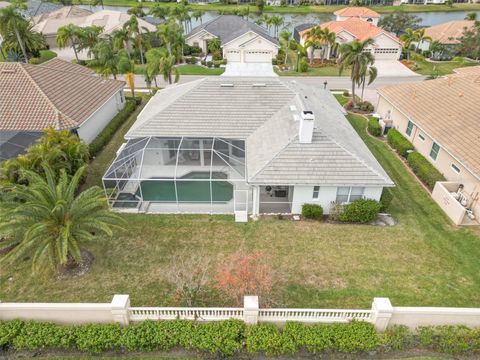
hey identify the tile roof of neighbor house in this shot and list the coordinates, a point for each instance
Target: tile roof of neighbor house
(38, 7)
(468, 70)
(447, 110)
(108, 19)
(449, 32)
(62, 65)
(230, 27)
(357, 11)
(265, 113)
(63, 13)
(360, 29)
(35, 97)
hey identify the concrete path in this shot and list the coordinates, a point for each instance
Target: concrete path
(249, 69)
(389, 68)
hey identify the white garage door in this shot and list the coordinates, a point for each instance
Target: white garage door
(233, 55)
(386, 54)
(258, 56)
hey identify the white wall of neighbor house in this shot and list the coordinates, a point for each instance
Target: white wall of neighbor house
(371, 20)
(326, 195)
(250, 48)
(91, 127)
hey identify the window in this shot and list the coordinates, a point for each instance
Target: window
(421, 137)
(195, 43)
(434, 151)
(316, 190)
(409, 128)
(347, 194)
(455, 168)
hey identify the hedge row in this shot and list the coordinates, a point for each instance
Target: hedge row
(424, 169)
(374, 127)
(226, 338)
(398, 142)
(360, 211)
(107, 133)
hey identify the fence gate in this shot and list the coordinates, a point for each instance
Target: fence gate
(241, 205)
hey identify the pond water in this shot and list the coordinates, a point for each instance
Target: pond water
(292, 20)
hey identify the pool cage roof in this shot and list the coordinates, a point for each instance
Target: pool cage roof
(179, 158)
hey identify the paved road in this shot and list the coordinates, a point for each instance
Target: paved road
(334, 82)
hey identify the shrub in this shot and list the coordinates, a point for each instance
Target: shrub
(365, 106)
(191, 60)
(397, 338)
(150, 336)
(374, 127)
(346, 93)
(9, 330)
(336, 211)
(398, 142)
(217, 55)
(312, 211)
(218, 338)
(204, 62)
(267, 339)
(98, 338)
(449, 339)
(360, 211)
(386, 199)
(35, 335)
(274, 62)
(426, 172)
(209, 64)
(107, 133)
(303, 66)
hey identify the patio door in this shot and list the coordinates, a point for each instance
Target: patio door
(240, 205)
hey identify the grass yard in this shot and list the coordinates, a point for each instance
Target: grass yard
(422, 261)
(427, 68)
(312, 71)
(161, 356)
(199, 70)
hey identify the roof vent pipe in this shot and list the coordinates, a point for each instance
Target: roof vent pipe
(305, 133)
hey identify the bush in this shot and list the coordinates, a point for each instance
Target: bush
(425, 171)
(274, 62)
(399, 143)
(303, 66)
(191, 60)
(98, 338)
(397, 338)
(360, 211)
(374, 127)
(209, 64)
(107, 133)
(312, 211)
(336, 211)
(35, 335)
(217, 55)
(346, 93)
(267, 339)
(386, 199)
(365, 106)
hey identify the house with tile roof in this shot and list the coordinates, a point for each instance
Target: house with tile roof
(55, 94)
(241, 40)
(240, 145)
(441, 119)
(358, 12)
(447, 33)
(386, 45)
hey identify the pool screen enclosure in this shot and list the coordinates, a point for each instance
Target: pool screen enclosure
(176, 174)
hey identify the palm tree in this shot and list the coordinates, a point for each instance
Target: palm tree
(69, 34)
(314, 39)
(354, 55)
(106, 59)
(137, 11)
(134, 31)
(197, 15)
(97, 2)
(437, 49)
(276, 21)
(367, 71)
(160, 12)
(50, 224)
(32, 40)
(167, 68)
(471, 16)
(329, 38)
(171, 36)
(286, 36)
(12, 20)
(420, 36)
(88, 38)
(408, 38)
(121, 40)
(127, 67)
(153, 62)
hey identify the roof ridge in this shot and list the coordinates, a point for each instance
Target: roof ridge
(39, 89)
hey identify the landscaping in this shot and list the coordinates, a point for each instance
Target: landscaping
(437, 68)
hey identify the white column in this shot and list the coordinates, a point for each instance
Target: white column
(382, 312)
(120, 305)
(256, 200)
(250, 310)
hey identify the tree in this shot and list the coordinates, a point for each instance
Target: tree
(137, 11)
(438, 50)
(469, 45)
(49, 223)
(471, 16)
(353, 55)
(398, 21)
(167, 69)
(135, 33)
(245, 274)
(159, 11)
(286, 36)
(32, 40)
(69, 35)
(88, 37)
(276, 21)
(367, 71)
(198, 14)
(408, 38)
(127, 67)
(260, 5)
(420, 36)
(106, 59)
(12, 20)
(171, 36)
(97, 2)
(121, 40)
(213, 45)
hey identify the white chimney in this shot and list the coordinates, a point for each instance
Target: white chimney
(305, 132)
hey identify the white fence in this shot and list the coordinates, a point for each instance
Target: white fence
(382, 314)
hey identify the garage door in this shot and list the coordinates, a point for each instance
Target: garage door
(258, 56)
(233, 55)
(386, 53)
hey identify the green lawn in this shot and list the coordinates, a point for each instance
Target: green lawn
(161, 356)
(312, 71)
(424, 260)
(425, 67)
(199, 70)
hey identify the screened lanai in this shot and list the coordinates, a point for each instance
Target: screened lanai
(177, 174)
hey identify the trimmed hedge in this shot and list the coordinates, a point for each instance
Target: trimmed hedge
(374, 127)
(360, 211)
(398, 142)
(227, 338)
(107, 133)
(427, 173)
(312, 211)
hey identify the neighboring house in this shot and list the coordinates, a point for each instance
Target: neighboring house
(441, 119)
(65, 12)
(241, 40)
(251, 145)
(55, 94)
(447, 34)
(361, 13)
(108, 19)
(468, 70)
(386, 45)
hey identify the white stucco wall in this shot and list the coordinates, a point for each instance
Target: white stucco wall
(371, 20)
(250, 43)
(91, 127)
(200, 39)
(328, 194)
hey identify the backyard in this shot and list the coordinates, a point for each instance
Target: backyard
(421, 261)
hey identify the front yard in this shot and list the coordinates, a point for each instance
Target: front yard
(421, 261)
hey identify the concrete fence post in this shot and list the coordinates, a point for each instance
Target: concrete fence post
(382, 312)
(119, 308)
(250, 310)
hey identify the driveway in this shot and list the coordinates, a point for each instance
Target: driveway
(393, 68)
(249, 69)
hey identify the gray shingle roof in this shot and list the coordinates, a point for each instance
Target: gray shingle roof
(229, 27)
(267, 117)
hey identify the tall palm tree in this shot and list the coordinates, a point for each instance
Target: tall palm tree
(153, 57)
(171, 36)
(88, 38)
(408, 38)
(69, 34)
(159, 11)
(97, 2)
(286, 36)
(329, 38)
(32, 40)
(106, 59)
(367, 71)
(121, 40)
(50, 223)
(197, 15)
(276, 21)
(353, 55)
(314, 38)
(167, 68)
(135, 33)
(12, 20)
(420, 36)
